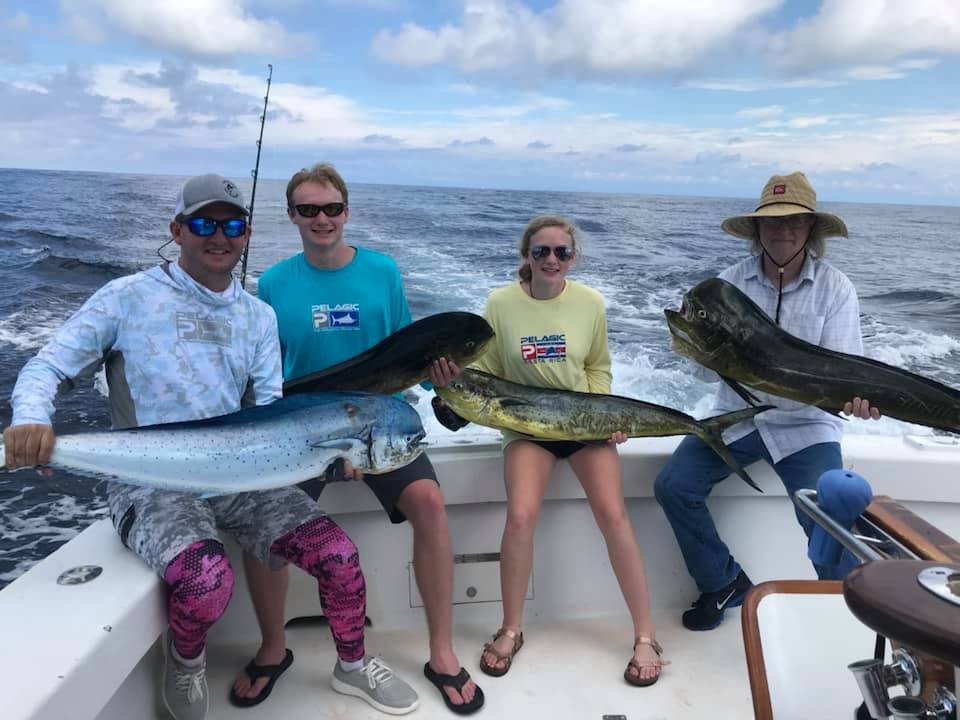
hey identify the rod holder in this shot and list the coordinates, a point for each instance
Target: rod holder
(903, 671)
(906, 707)
(869, 675)
(944, 704)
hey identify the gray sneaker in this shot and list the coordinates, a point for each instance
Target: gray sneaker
(376, 683)
(184, 688)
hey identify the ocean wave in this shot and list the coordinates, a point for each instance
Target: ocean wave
(45, 236)
(591, 226)
(29, 329)
(50, 265)
(913, 296)
(42, 515)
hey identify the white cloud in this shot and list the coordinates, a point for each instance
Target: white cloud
(159, 109)
(133, 105)
(761, 112)
(869, 32)
(390, 5)
(758, 85)
(585, 37)
(30, 87)
(209, 28)
(896, 71)
(19, 22)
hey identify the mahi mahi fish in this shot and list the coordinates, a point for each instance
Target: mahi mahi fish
(721, 328)
(267, 446)
(568, 415)
(400, 361)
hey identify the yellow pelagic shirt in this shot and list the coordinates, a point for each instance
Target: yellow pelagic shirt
(558, 343)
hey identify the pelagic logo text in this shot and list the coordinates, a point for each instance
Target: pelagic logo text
(342, 316)
(194, 328)
(546, 348)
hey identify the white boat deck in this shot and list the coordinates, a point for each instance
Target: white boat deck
(565, 670)
(89, 652)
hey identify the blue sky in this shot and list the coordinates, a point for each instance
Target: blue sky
(690, 97)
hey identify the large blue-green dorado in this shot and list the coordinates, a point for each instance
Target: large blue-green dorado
(550, 414)
(721, 328)
(268, 446)
(401, 360)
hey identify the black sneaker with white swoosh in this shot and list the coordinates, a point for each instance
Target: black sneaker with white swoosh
(707, 611)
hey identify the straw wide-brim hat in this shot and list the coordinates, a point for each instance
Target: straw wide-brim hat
(786, 195)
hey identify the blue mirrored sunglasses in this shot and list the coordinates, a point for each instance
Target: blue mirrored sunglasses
(205, 227)
(563, 253)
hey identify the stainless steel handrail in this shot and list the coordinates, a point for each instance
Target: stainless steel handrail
(807, 501)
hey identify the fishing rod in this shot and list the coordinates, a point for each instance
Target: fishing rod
(254, 173)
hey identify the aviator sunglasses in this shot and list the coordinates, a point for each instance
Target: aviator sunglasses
(563, 253)
(330, 209)
(205, 227)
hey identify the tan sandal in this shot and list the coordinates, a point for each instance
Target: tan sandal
(507, 657)
(658, 663)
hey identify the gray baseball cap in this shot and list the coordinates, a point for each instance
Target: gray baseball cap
(203, 190)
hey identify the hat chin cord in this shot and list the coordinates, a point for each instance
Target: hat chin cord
(780, 269)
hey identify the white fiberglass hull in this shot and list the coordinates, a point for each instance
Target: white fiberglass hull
(87, 651)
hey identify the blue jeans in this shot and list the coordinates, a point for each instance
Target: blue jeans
(688, 478)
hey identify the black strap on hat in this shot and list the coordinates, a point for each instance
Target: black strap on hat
(780, 269)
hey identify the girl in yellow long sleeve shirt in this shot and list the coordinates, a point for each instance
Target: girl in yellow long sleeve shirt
(552, 332)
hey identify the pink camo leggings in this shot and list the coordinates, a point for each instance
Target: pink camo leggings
(200, 580)
(322, 549)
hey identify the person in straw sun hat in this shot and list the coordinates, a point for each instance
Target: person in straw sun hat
(788, 278)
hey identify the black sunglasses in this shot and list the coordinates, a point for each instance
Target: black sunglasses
(563, 253)
(330, 209)
(205, 227)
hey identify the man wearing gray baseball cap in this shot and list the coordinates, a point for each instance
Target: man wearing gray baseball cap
(203, 190)
(183, 341)
(206, 204)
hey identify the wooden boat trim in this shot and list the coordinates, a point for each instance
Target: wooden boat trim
(925, 540)
(752, 645)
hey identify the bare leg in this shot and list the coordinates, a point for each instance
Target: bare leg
(268, 590)
(598, 469)
(423, 505)
(526, 473)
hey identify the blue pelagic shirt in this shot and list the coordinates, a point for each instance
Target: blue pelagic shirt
(328, 316)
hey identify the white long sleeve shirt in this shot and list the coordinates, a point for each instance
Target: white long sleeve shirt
(820, 306)
(173, 350)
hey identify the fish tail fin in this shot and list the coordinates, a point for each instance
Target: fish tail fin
(711, 429)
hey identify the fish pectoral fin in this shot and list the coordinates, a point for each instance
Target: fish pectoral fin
(513, 402)
(747, 396)
(339, 445)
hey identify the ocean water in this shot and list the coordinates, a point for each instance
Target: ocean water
(63, 235)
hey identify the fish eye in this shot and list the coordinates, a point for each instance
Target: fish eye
(470, 343)
(702, 314)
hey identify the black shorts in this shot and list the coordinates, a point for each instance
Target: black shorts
(561, 449)
(387, 487)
